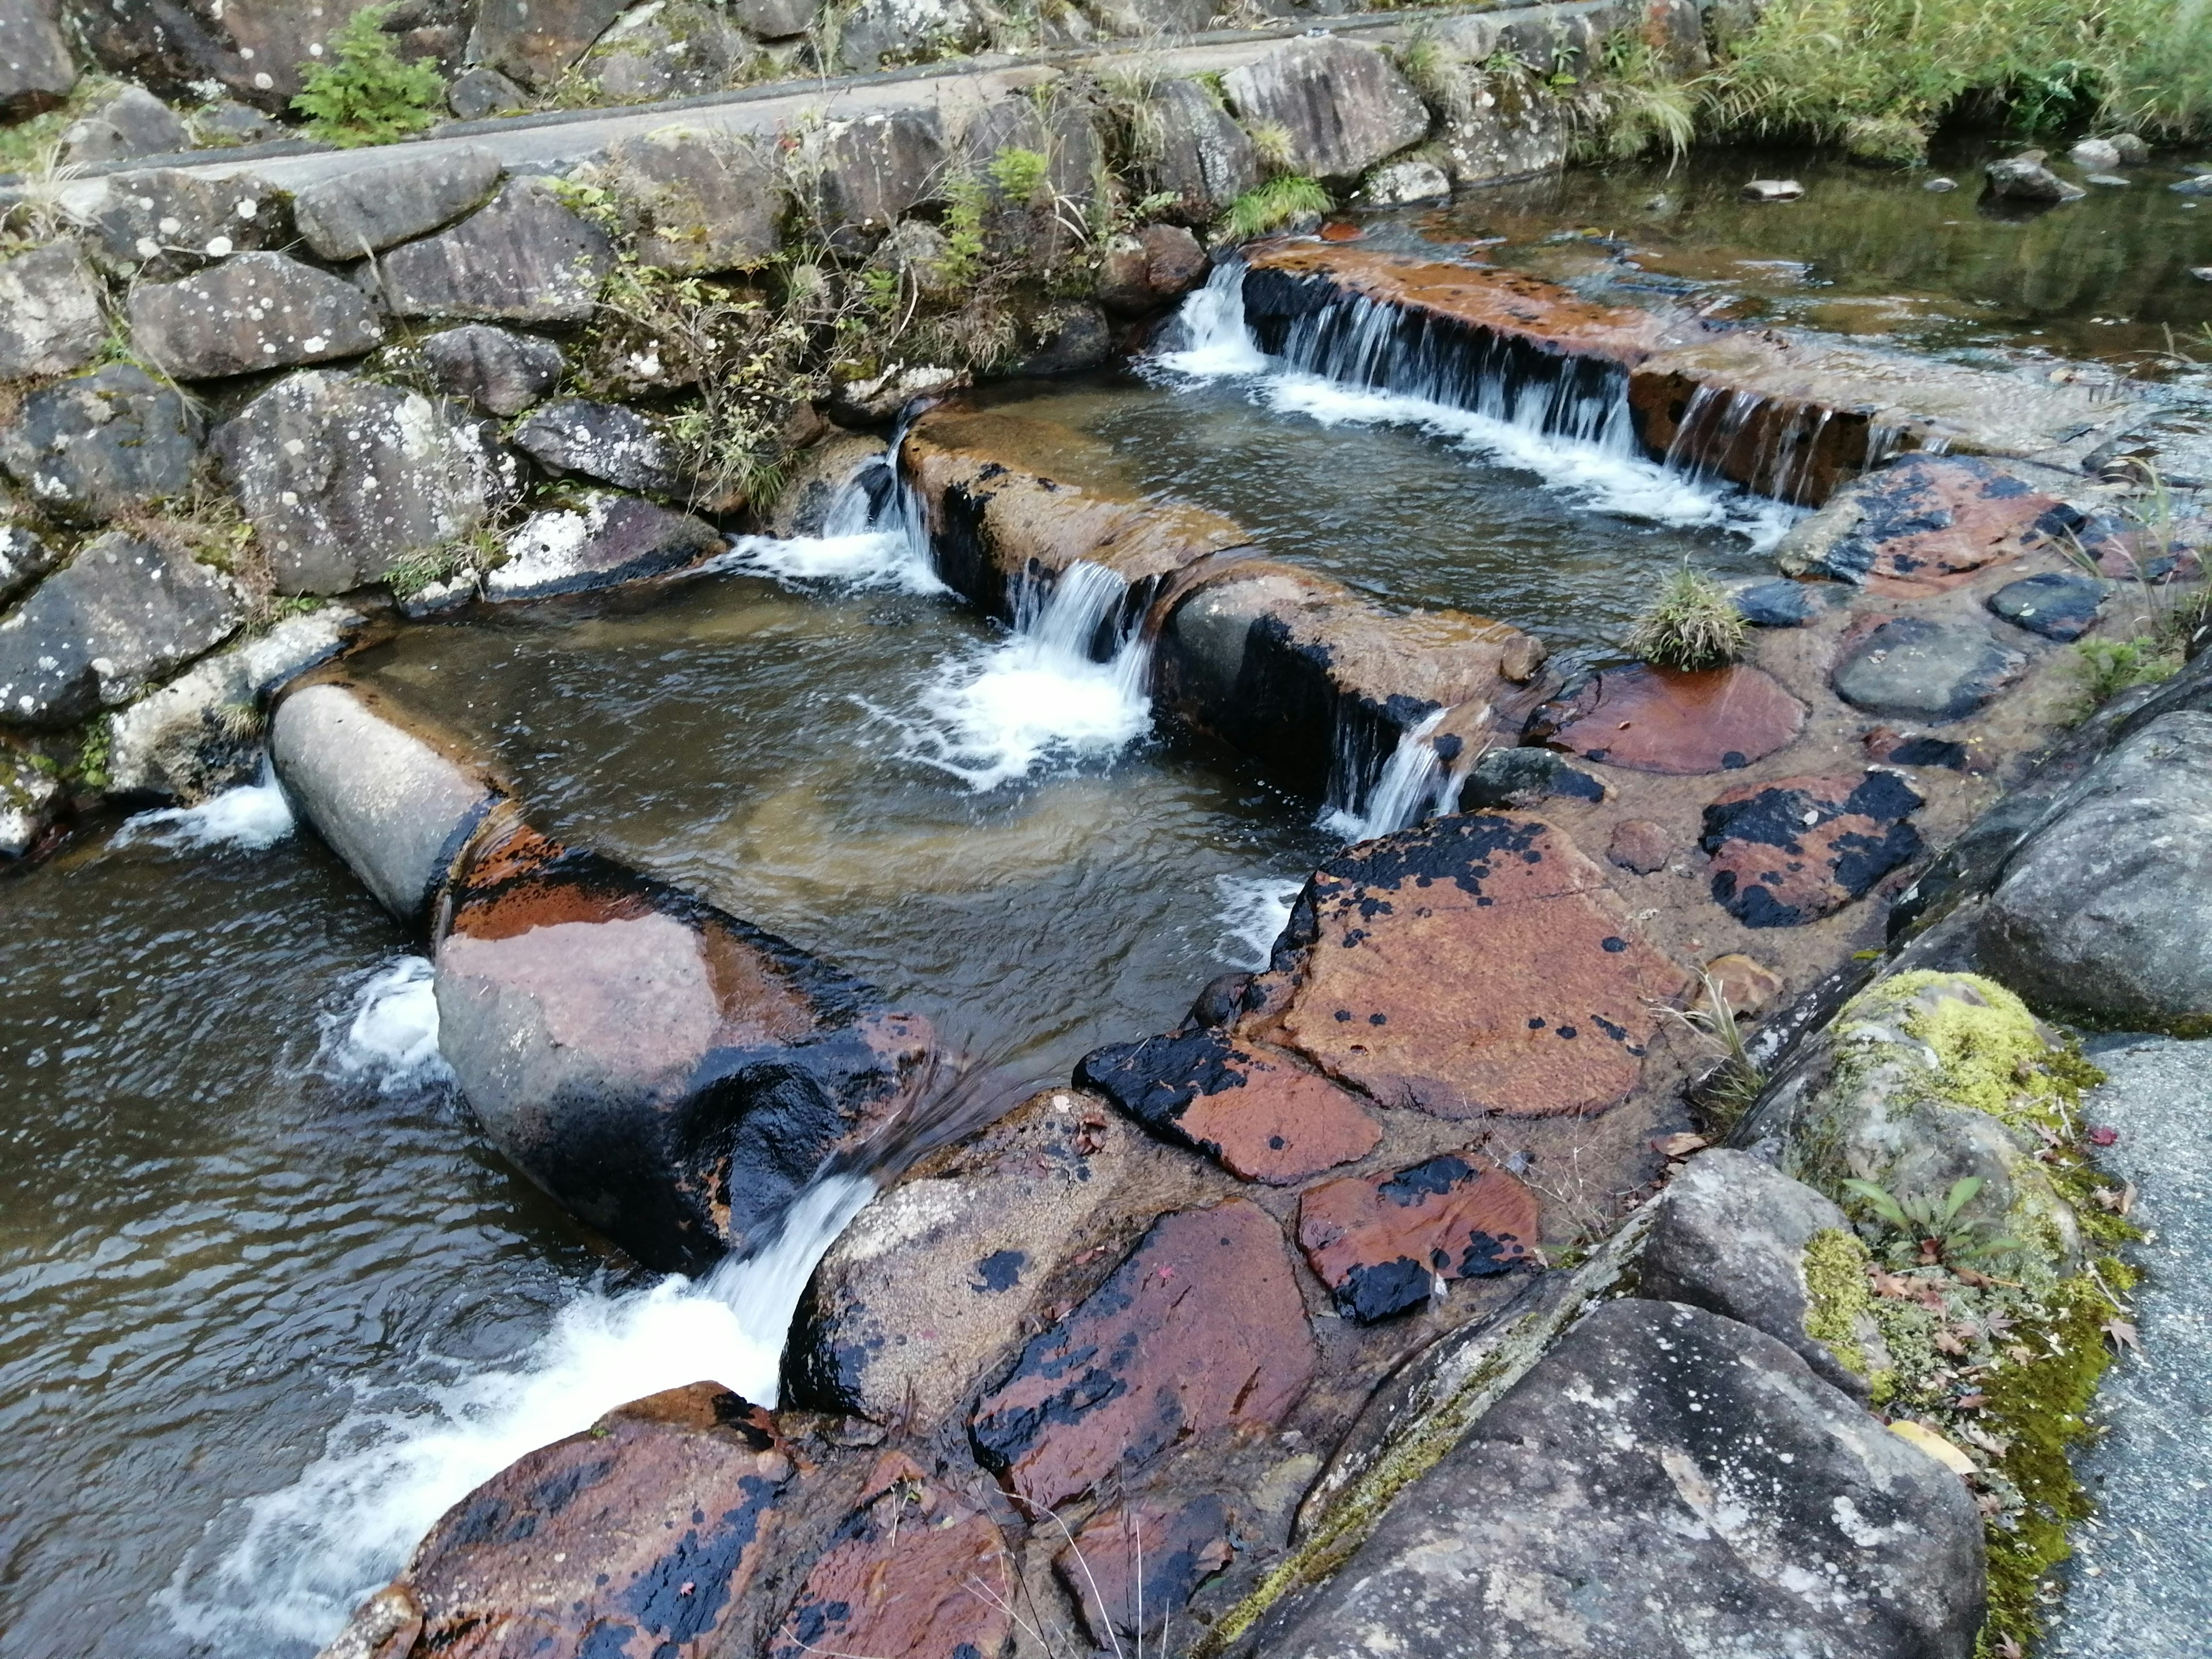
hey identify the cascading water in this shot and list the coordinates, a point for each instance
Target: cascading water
(1414, 783)
(1355, 361)
(873, 535)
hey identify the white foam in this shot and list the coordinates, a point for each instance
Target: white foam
(252, 817)
(1254, 909)
(307, 1554)
(866, 559)
(391, 1037)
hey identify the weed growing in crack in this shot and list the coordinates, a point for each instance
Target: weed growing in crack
(364, 93)
(1273, 206)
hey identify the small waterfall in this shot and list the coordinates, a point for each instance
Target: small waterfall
(1349, 359)
(874, 536)
(252, 817)
(1414, 783)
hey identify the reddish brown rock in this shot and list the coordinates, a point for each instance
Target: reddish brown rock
(1383, 1243)
(1746, 984)
(1797, 850)
(1131, 1570)
(1257, 1113)
(1666, 719)
(1640, 845)
(2133, 552)
(1201, 1328)
(1469, 965)
(912, 1572)
(1928, 523)
(637, 1537)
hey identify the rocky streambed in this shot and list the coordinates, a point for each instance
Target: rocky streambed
(1099, 1009)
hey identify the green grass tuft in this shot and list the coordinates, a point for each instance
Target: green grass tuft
(1693, 623)
(364, 93)
(1273, 206)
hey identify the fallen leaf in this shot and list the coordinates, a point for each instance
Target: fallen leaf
(1972, 1402)
(1891, 1285)
(2103, 1135)
(1950, 1341)
(2010, 1648)
(1920, 1435)
(1680, 1146)
(1969, 1277)
(2121, 1333)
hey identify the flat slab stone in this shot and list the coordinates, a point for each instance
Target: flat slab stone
(1910, 668)
(1927, 523)
(1384, 1244)
(252, 312)
(2059, 605)
(1201, 1328)
(1258, 1114)
(368, 209)
(1135, 1566)
(1470, 966)
(1670, 720)
(1778, 603)
(523, 258)
(1797, 850)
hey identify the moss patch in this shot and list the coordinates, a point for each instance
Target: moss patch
(1836, 1282)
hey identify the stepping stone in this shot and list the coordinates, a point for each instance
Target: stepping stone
(1521, 777)
(611, 540)
(1666, 719)
(1792, 851)
(1144, 1558)
(1261, 1118)
(1640, 845)
(1384, 1244)
(1779, 604)
(1914, 668)
(2059, 605)
(1899, 750)
(1470, 966)
(1201, 1328)
(1925, 524)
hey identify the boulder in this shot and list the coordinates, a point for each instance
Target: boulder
(130, 122)
(934, 1284)
(1201, 1330)
(1779, 604)
(1253, 1110)
(123, 614)
(1194, 150)
(697, 200)
(36, 70)
(162, 224)
(24, 558)
(611, 442)
(858, 177)
(478, 94)
(1500, 135)
(1133, 1568)
(673, 49)
(1064, 337)
(1911, 668)
(1154, 17)
(2102, 914)
(1673, 720)
(498, 370)
(201, 733)
(90, 447)
(227, 122)
(2095, 155)
(251, 313)
(1924, 524)
(2059, 605)
(1536, 993)
(51, 320)
(1521, 777)
(344, 477)
(535, 41)
(1667, 1484)
(1385, 1244)
(2025, 178)
(396, 804)
(1401, 184)
(645, 1533)
(878, 34)
(670, 1074)
(30, 803)
(1143, 273)
(1731, 1237)
(609, 540)
(878, 397)
(1792, 850)
(773, 20)
(525, 258)
(1344, 105)
(1640, 845)
(817, 481)
(376, 206)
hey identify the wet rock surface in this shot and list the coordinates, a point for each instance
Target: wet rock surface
(2087, 917)
(1467, 966)
(370, 209)
(1730, 1238)
(1640, 845)
(1201, 1329)
(1666, 719)
(1523, 777)
(1343, 105)
(497, 369)
(1387, 1243)
(523, 258)
(51, 320)
(1788, 852)
(1131, 1570)
(1665, 1482)
(1926, 523)
(1779, 604)
(1255, 1111)
(90, 447)
(2058, 604)
(256, 311)
(343, 477)
(610, 540)
(1914, 668)
(122, 615)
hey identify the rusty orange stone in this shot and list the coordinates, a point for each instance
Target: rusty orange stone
(1674, 721)
(1130, 1569)
(1382, 1242)
(1795, 850)
(1476, 964)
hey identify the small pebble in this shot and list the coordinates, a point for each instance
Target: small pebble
(2112, 178)
(1940, 184)
(2201, 273)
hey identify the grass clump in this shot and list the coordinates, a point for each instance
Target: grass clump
(364, 93)
(1274, 204)
(1693, 623)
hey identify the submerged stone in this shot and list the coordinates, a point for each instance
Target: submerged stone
(1384, 1244)
(1911, 668)
(1673, 720)
(1778, 603)
(1793, 850)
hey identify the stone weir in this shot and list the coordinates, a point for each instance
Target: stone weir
(670, 1074)
(1792, 417)
(1287, 667)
